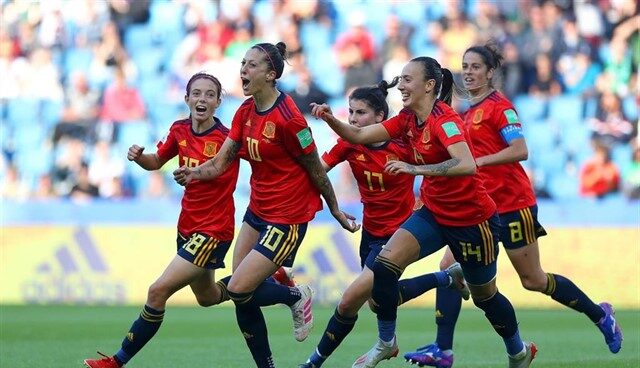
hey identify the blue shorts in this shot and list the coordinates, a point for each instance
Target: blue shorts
(370, 246)
(278, 242)
(203, 250)
(475, 247)
(520, 228)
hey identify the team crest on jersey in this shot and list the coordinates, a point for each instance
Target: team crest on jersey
(426, 136)
(392, 157)
(269, 130)
(477, 118)
(210, 149)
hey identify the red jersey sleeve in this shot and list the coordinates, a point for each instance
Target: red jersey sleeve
(449, 130)
(397, 125)
(297, 137)
(337, 154)
(506, 115)
(235, 133)
(168, 146)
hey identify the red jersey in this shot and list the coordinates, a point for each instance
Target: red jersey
(388, 199)
(453, 200)
(507, 184)
(281, 190)
(207, 205)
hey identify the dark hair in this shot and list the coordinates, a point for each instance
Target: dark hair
(204, 75)
(375, 96)
(489, 53)
(276, 55)
(442, 76)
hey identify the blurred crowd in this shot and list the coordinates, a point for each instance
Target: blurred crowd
(84, 79)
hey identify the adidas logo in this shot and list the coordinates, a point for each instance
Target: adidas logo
(183, 143)
(331, 336)
(439, 314)
(130, 336)
(76, 273)
(361, 157)
(247, 335)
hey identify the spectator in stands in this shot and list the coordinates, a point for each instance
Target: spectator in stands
(80, 111)
(609, 125)
(122, 103)
(631, 174)
(512, 78)
(12, 187)
(545, 83)
(397, 34)
(599, 176)
(44, 188)
(307, 91)
(157, 186)
(127, 12)
(83, 190)
(355, 50)
(458, 35)
(105, 170)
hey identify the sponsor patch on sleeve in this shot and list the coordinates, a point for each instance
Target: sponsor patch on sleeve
(512, 117)
(450, 129)
(304, 137)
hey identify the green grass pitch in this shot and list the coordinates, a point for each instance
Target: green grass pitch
(197, 337)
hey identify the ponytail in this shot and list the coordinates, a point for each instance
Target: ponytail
(446, 92)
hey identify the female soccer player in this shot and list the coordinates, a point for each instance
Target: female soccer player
(206, 222)
(287, 179)
(496, 134)
(457, 209)
(388, 201)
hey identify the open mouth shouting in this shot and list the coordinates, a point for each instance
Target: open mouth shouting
(245, 84)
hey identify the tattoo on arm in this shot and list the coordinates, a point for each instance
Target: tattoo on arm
(442, 168)
(215, 167)
(313, 166)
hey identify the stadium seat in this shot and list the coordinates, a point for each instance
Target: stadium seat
(149, 62)
(77, 59)
(630, 108)
(23, 111)
(134, 132)
(138, 38)
(566, 109)
(574, 138)
(530, 109)
(564, 187)
(539, 136)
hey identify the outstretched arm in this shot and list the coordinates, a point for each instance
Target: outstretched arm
(318, 175)
(353, 134)
(210, 169)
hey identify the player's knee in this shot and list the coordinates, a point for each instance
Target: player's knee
(445, 262)
(347, 306)
(240, 298)
(206, 301)
(384, 268)
(158, 293)
(481, 293)
(533, 283)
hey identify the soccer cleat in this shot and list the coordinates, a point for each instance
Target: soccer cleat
(302, 313)
(378, 353)
(104, 362)
(457, 280)
(431, 356)
(284, 276)
(610, 328)
(523, 359)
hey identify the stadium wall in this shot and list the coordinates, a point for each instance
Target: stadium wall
(79, 262)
